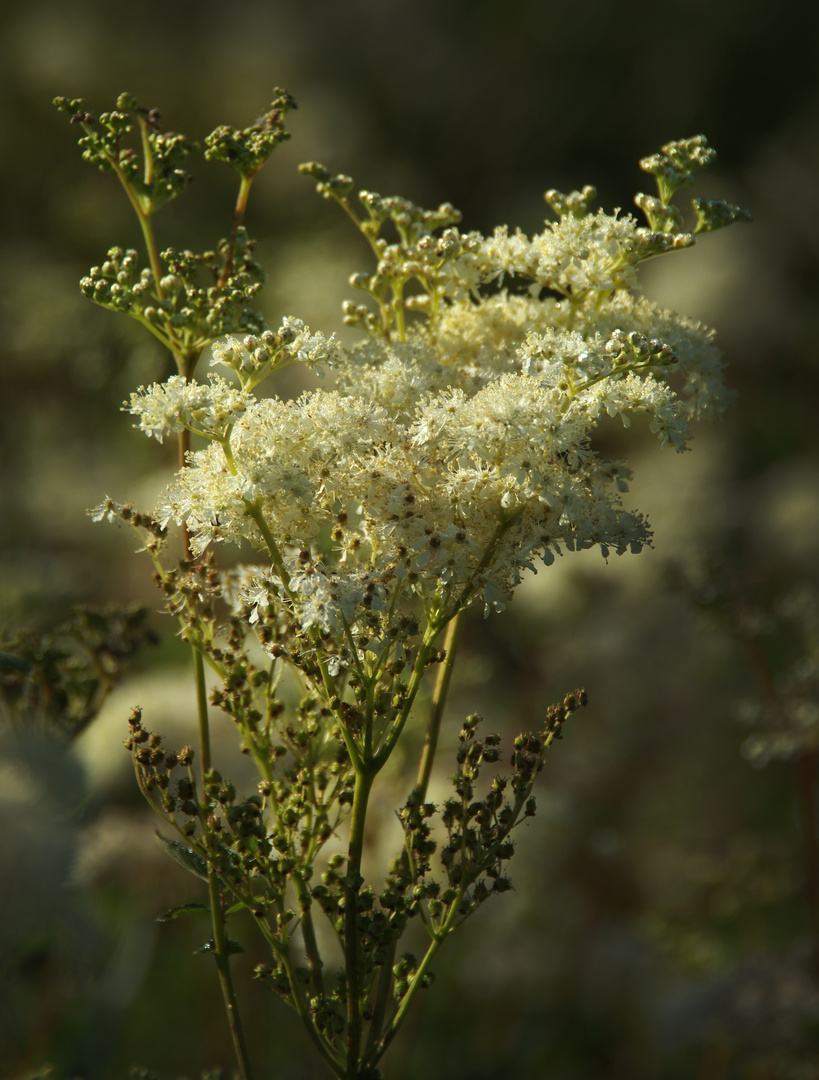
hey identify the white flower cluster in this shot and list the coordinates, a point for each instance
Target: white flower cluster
(576, 256)
(446, 465)
(209, 409)
(573, 255)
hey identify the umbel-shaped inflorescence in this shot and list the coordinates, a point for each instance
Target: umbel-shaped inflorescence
(453, 451)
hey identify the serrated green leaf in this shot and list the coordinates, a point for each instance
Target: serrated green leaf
(233, 947)
(181, 909)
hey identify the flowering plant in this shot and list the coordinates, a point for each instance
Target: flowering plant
(453, 451)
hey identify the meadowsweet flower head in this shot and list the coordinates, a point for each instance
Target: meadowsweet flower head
(210, 409)
(449, 491)
(446, 463)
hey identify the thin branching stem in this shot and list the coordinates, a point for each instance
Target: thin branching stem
(221, 951)
(363, 787)
(438, 704)
(238, 218)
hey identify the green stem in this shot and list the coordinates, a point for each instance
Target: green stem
(222, 955)
(398, 308)
(439, 696)
(254, 511)
(446, 928)
(282, 952)
(202, 713)
(238, 217)
(220, 945)
(381, 1001)
(348, 210)
(151, 247)
(363, 787)
(309, 934)
(142, 208)
(419, 669)
(227, 450)
(185, 360)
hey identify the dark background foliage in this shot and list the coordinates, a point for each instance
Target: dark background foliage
(660, 926)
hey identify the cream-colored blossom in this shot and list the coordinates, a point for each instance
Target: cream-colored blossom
(178, 403)
(449, 464)
(573, 256)
(456, 497)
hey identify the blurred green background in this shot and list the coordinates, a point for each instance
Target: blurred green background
(660, 926)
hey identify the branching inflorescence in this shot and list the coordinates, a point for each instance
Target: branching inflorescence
(452, 453)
